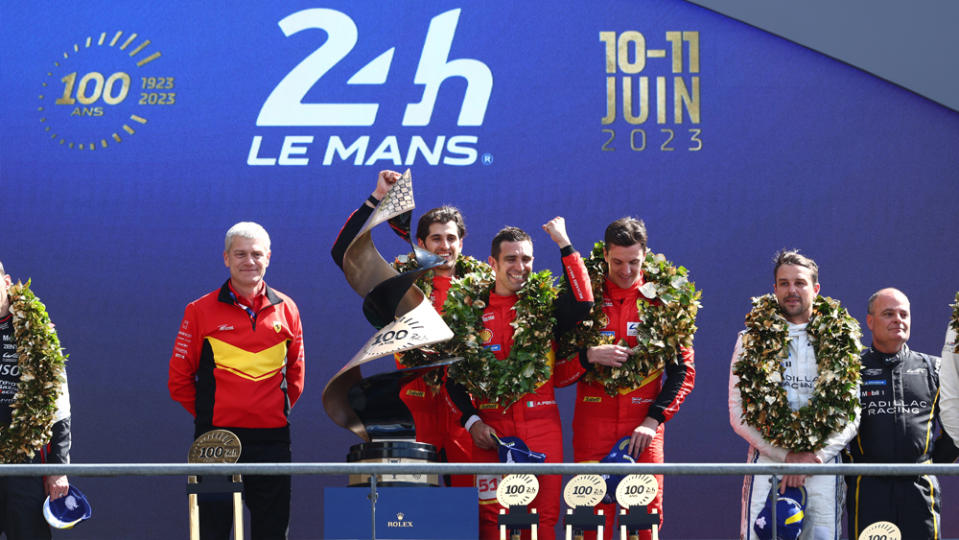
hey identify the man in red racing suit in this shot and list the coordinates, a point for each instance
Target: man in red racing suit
(439, 231)
(534, 417)
(600, 420)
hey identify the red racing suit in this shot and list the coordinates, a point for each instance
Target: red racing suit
(600, 420)
(534, 418)
(232, 370)
(434, 415)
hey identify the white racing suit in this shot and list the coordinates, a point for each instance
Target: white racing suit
(825, 494)
(949, 387)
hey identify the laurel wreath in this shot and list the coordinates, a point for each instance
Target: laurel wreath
(666, 309)
(955, 321)
(430, 355)
(765, 343)
(41, 364)
(527, 365)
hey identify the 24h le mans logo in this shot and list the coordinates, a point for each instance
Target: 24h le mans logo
(103, 89)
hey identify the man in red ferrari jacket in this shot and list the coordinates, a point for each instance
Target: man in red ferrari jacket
(600, 420)
(534, 417)
(238, 364)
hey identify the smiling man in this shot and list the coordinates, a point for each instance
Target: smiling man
(637, 411)
(900, 410)
(441, 232)
(517, 330)
(238, 364)
(796, 290)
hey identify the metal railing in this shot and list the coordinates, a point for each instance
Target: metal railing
(680, 469)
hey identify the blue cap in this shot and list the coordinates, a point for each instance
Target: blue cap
(65, 512)
(790, 511)
(618, 454)
(514, 450)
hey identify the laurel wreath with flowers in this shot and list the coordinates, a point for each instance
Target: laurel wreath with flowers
(666, 311)
(527, 365)
(955, 321)
(430, 355)
(41, 364)
(765, 344)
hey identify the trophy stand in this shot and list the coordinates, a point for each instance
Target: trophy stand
(516, 491)
(582, 494)
(635, 492)
(217, 446)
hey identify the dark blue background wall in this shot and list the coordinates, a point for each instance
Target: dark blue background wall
(797, 150)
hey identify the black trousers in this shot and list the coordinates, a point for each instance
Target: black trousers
(266, 497)
(910, 502)
(21, 508)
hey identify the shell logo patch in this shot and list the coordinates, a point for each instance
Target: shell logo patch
(486, 335)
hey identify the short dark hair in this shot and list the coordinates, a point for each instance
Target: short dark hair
(442, 214)
(508, 234)
(793, 257)
(626, 231)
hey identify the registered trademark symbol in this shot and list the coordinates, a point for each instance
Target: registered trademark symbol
(487, 159)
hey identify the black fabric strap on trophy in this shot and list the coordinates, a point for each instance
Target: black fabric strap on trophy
(214, 484)
(583, 519)
(638, 518)
(518, 519)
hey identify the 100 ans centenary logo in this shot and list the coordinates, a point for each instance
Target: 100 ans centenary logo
(103, 89)
(284, 107)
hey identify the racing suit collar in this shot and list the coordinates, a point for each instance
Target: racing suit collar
(616, 292)
(891, 359)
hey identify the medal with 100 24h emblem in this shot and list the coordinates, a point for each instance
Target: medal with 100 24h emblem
(584, 490)
(216, 446)
(636, 490)
(517, 490)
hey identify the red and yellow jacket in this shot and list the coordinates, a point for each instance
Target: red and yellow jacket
(234, 368)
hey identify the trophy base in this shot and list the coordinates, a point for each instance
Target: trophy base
(393, 452)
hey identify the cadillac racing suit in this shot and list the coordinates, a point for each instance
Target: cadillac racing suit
(21, 497)
(534, 417)
(825, 493)
(601, 420)
(899, 396)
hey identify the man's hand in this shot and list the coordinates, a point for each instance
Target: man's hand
(482, 435)
(797, 480)
(556, 228)
(607, 355)
(56, 486)
(384, 182)
(642, 436)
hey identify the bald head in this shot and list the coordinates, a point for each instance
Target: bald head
(889, 320)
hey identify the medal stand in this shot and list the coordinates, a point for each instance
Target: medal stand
(216, 446)
(634, 493)
(581, 519)
(582, 493)
(516, 492)
(512, 523)
(635, 519)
